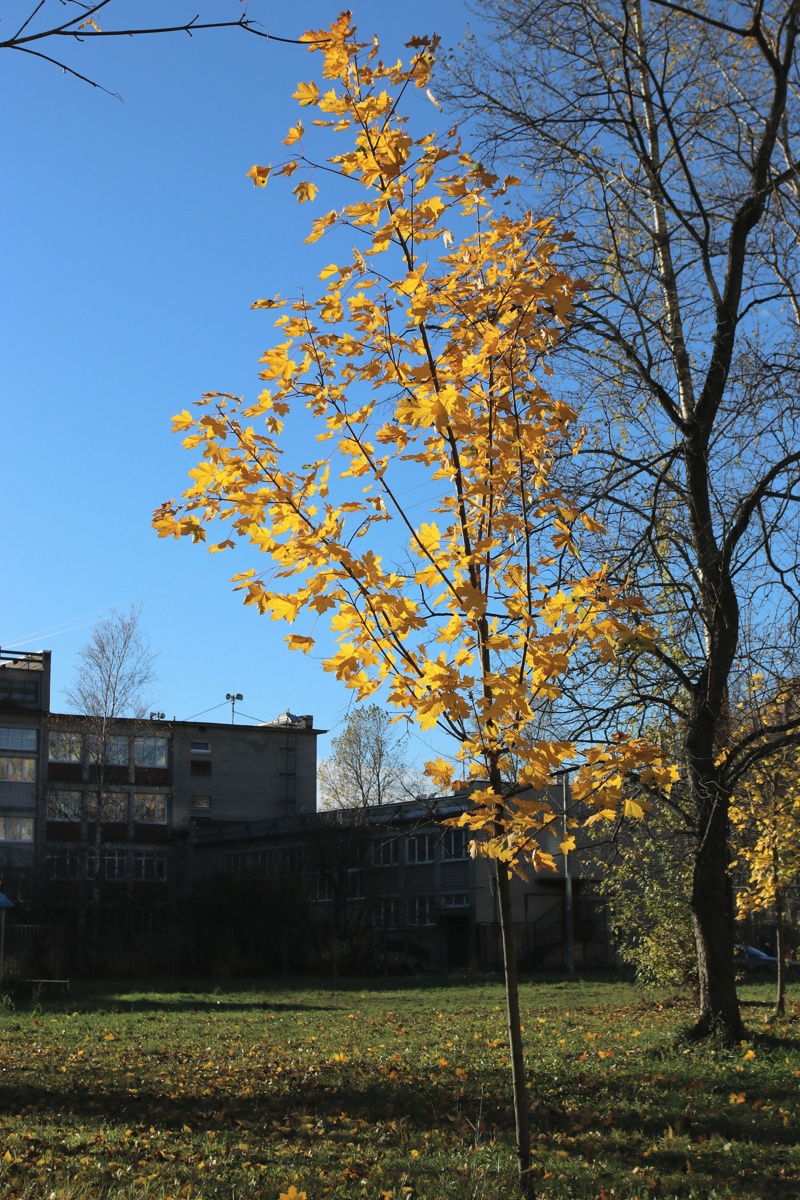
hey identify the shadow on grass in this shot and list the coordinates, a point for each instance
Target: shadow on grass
(601, 1100)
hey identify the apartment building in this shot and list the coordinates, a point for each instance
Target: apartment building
(95, 814)
(144, 846)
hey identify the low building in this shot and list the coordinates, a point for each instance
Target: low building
(385, 889)
(140, 846)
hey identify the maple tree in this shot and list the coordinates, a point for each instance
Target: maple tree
(433, 373)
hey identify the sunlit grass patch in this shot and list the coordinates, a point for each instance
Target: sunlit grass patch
(396, 1091)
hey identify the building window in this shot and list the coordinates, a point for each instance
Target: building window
(64, 864)
(201, 802)
(233, 864)
(63, 806)
(112, 750)
(113, 865)
(14, 769)
(149, 866)
(421, 848)
(150, 752)
(150, 809)
(200, 766)
(387, 915)
(16, 829)
(355, 884)
(117, 751)
(18, 691)
(201, 747)
(252, 862)
(17, 739)
(456, 844)
(420, 911)
(385, 853)
(289, 860)
(456, 900)
(113, 807)
(65, 747)
(323, 889)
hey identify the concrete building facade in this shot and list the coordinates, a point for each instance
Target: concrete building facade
(143, 846)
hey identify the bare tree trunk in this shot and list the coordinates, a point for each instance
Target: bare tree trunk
(521, 1121)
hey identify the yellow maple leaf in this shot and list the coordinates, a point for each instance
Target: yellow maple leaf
(304, 191)
(259, 175)
(306, 94)
(182, 421)
(294, 134)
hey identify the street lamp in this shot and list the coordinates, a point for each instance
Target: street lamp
(233, 698)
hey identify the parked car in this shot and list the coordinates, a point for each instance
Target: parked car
(751, 959)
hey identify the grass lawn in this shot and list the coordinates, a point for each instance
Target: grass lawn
(389, 1090)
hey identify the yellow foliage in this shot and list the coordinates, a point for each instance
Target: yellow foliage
(436, 362)
(765, 820)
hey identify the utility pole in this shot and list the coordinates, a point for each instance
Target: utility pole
(233, 697)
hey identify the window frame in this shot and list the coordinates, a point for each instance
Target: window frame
(60, 796)
(10, 822)
(141, 752)
(141, 800)
(118, 858)
(7, 738)
(450, 845)
(27, 768)
(144, 858)
(415, 840)
(386, 852)
(421, 912)
(58, 736)
(108, 798)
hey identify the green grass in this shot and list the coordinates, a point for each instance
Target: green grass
(389, 1090)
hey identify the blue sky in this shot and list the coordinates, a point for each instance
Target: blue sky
(133, 245)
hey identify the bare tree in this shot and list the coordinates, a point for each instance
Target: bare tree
(110, 690)
(79, 21)
(667, 137)
(367, 765)
(114, 670)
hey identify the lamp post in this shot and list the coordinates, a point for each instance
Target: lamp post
(233, 697)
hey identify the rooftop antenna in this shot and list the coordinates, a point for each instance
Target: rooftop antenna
(233, 698)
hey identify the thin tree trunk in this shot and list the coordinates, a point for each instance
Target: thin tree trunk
(503, 877)
(780, 937)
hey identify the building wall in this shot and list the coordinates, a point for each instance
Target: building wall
(24, 698)
(95, 817)
(380, 890)
(246, 773)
